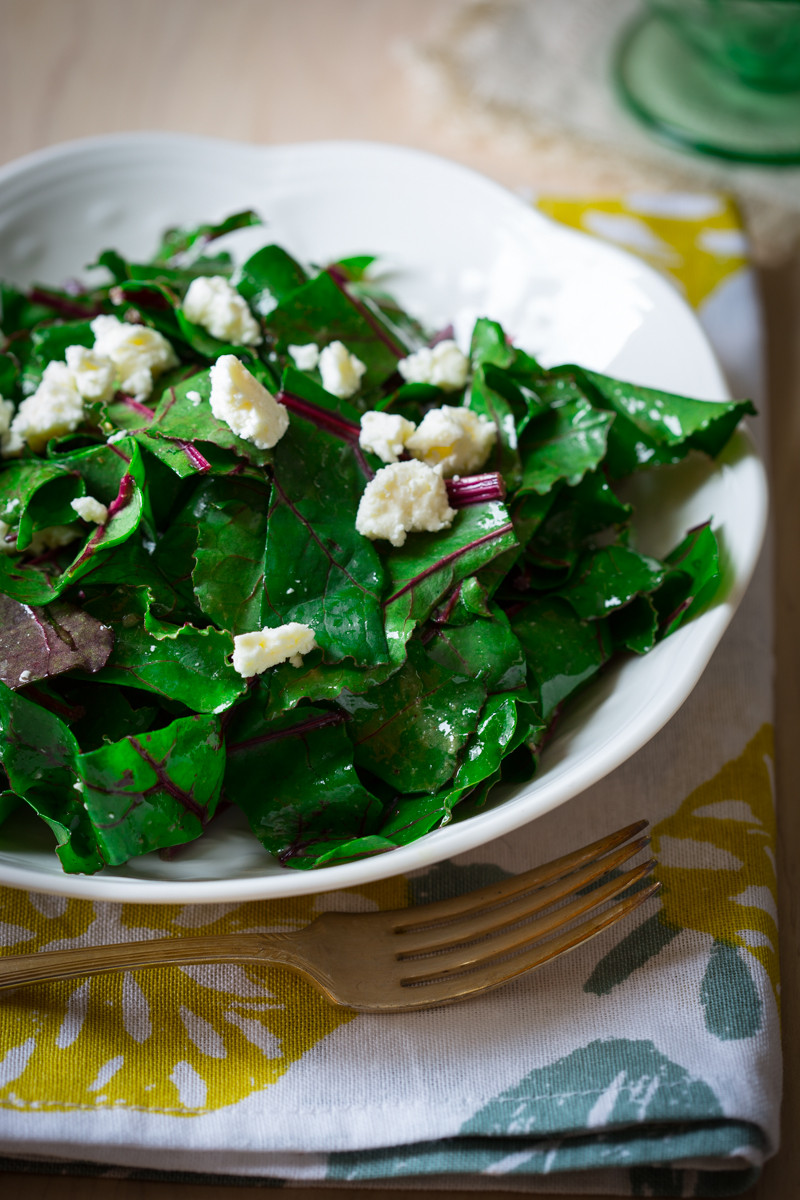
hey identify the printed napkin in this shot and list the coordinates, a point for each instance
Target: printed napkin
(645, 1063)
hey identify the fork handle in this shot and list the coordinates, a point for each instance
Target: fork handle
(280, 948)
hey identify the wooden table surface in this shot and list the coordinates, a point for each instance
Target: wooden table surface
(298, 70)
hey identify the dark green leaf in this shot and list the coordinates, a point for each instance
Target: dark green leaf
(156, 790)
(295, 781)
(39, 755)
(563, 653)
(692, 580)
(429, 566)
(321, 312)
(609, 578)
(267, 277)
(319, 569)
(563, 443)
(231, 522)
(410, 730)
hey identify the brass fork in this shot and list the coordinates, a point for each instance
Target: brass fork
(410, 958)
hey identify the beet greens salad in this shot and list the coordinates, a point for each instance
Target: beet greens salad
(265, 541)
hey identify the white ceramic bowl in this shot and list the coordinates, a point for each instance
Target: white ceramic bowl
(455, 246)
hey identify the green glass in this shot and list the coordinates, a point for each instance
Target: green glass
(719, 76)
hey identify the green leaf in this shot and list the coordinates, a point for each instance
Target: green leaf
(231, 522)
(267, 277)
(182, 417)
(178, 662)
(487, 401)
(424, 708)
(20, 484)
(321, 312)
(489, 344)
(657, 426)
(485, 648)
(9, 803)
(156, 790)
(429, 566)
(692, 580)
(39, 756)
(319, 570)
(609, 578)
(178, 241)
(563, 443)
(563, 653)
(294, 779)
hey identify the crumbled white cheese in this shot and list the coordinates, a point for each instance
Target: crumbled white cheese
(256, 652)
(341, 371)
(90, 509)
(214, 303)
(51, 538)
(443, 365)
(78, 785)
(385, 434)
(55, 407)
(8, 538)
(6, 413)
(95, 375)
(454, 440)
(402, 498)
(306, 356)
(24, 677)
(238, 399)
(137, 352)
(194, 398)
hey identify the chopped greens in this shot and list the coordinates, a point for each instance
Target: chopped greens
(437, 666)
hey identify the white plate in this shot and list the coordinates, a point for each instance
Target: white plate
(456, 246)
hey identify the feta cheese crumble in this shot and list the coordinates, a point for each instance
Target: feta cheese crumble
(213, 302)
(8, 538)
(385, 434)
(55, 407)
(305, 357)
(443, 365)
(138, 353)
(341, 371)
(94, 374)
(403, 498)
(256, 652)
(244, 404)
(454, 440)
(90, 509)
(6, 413)
(51, 538)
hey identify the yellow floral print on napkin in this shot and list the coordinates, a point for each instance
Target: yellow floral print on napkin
(716, 857)
(177, 1040)
(696, 239)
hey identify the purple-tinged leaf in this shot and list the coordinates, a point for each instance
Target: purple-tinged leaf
(36, 643)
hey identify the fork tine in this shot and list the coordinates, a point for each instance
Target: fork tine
(505, 889)
(449, 991)
(462, 958)
(472, 925)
